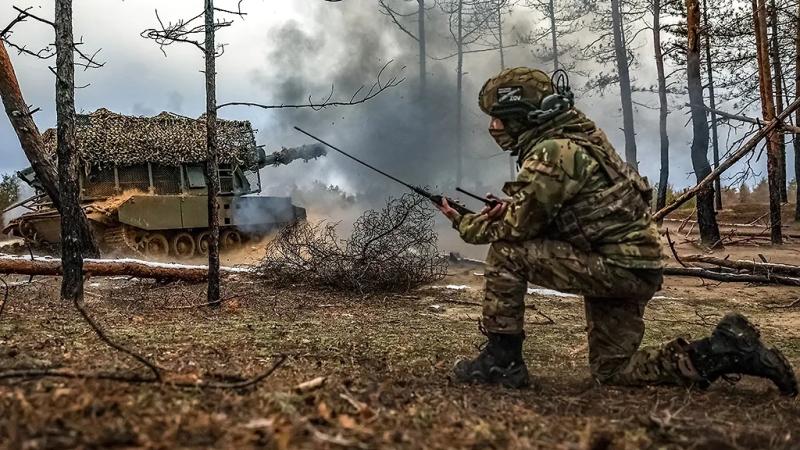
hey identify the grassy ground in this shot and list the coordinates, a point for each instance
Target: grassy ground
(386, 360)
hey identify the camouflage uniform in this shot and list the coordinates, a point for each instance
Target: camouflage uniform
(579, 222)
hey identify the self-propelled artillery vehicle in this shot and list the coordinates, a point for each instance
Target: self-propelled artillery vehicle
(144, 189)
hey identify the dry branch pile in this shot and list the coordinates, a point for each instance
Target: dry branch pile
(389, 250)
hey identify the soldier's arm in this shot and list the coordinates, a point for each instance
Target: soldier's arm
(551, 176)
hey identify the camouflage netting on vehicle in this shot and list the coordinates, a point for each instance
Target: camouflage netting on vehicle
(391, 250)
(105, 138)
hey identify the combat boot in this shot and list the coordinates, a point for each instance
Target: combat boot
(499, 362)
(735, 347)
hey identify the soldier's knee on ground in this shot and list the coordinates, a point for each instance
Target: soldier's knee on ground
(615, 329)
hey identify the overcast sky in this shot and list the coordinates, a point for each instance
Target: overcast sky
(303, 46)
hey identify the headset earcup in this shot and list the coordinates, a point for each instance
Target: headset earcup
(552, 101)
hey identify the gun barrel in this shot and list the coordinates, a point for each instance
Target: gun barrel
(437, 199)
(413, 188)
(287, 155)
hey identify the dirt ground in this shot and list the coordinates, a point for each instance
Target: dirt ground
(386, 359)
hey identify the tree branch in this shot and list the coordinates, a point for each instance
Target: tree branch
(26, 14)
(492, 49)
(376, 89)
(741, 118)
(393, 15)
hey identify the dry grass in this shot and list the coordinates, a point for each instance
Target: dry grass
(387, 361)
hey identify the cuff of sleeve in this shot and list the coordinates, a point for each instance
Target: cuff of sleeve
(457, 221)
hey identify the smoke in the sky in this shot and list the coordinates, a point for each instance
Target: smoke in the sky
(409, 136)
(284, 52)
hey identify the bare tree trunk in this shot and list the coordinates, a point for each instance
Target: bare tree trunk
(768, 111)
(512, 170)
(663, 180)
(71, 212)
(500, 35)
(31, 142)
(212, 164)
(778, 66)
(27, 132)
(423, 71)
(712, 99)
(459, 88)
(621, 52)
(551, 10)
(796, 142)
(706, 216)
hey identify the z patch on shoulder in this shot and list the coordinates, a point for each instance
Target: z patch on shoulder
(509, 94)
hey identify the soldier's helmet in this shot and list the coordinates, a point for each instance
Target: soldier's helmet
(520, 84)
(526, 96)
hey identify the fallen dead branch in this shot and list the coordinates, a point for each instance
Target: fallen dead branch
(78, 303)
(733, 277)
(310, 385)
(110, 268)
(672, 248)
(787, 306)
(394, 249)
(731, 160)
(751, 224)
(138, 379)
(750, 266)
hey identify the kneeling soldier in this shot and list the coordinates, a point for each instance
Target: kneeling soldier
(578, 221)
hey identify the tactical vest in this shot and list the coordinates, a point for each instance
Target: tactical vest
(588, 218)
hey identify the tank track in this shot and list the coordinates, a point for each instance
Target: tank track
(119, 237)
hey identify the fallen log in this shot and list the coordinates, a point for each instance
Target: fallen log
(752, 266)
(734, 277)
(112, 267)
(731, 160)
(723, 224)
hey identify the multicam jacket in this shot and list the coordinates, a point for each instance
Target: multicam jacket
(573, 186)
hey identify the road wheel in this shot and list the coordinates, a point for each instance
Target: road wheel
(27, 230)
(183, 245)
(203, 239)
(230, 240)
(156, 245)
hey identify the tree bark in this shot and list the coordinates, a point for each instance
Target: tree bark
(778, 66)
(663, 180)
(727, 163)
(512, 170)
(621, 52)
(732, 277)
(71, 211)
(109, 268)
(423, 71)
(551, 10)
(31, 142)
(500, 35)
(768, 111)
(706, 216)
(459, 88)
(796, 141)
(751, 266)
(212, 164)
(712, 99)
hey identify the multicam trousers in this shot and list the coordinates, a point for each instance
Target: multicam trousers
(614, 297)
